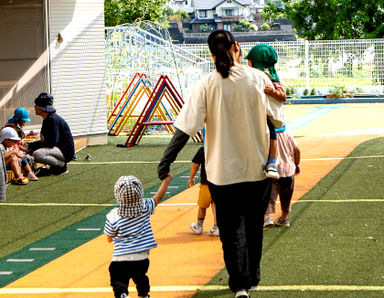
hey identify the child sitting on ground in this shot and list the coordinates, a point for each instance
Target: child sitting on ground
(13, 157)
(264, 58)
(289, 156)
(130, 229)
(17, 122)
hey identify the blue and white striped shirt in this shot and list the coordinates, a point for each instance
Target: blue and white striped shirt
(131, 235)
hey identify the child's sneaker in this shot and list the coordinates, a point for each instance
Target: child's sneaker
(197, 229)
(282, 223)
(214, 231)
(268, 222)
(32, 177)
(20, 181)
(272, 171)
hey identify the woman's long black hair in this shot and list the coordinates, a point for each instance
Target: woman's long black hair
(220, 43)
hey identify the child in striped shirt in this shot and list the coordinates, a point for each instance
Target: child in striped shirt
(130, 229)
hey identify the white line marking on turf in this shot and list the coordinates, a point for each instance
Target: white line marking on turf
(16, 291)
(20, 260)
(57, 204)
(172, 204)
(173, 186)
(6, 272)
(123, 162)
(42, 248)
(339, 158)
(340, 201)
(187, 161)
(88, 229)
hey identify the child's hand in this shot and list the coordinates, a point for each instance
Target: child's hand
(297, 170)
(269, 89)
(19, 154)
(169, 178)
(191, 182)
(162, 189)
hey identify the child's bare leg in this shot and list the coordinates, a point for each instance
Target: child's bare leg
(27, 169)
(29, 173)
(271, 168)
(272, 151)
(213, 206)
(13, 163)
(214, 231)
(201, 213)
(197, 227)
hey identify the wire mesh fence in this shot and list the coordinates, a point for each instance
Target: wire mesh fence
(357, 65)
(318, 66)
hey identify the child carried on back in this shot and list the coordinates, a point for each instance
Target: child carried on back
(264, 58)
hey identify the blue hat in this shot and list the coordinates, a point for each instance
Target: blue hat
(20, 113)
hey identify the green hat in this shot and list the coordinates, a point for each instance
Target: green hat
(264, 57)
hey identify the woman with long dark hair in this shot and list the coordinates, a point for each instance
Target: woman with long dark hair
(231, 103)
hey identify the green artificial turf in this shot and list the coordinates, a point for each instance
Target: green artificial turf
(86, 182)
(330, 241)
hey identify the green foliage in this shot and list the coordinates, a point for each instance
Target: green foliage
(128, 11)
(180, 15)
(306, 92)
(290, 91)
(245, 26)
(338, 91)
(205, 28)
(265, 27)
(313, 92)
(331, 19)
(168, 11)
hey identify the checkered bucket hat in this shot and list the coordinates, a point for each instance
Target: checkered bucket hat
(129, 193)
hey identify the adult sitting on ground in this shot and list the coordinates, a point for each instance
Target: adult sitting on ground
(55, 147)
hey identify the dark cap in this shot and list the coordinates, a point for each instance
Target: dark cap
(45, 102)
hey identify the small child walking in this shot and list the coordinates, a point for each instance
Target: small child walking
(288, 153)
(129, 228)
(264, 58)
(205, 198)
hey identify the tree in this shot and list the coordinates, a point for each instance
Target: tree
(331, 19)
(175, 16)
(128, 11)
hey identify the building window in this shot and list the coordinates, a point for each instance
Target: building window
(228, 12)
(202, 13)
(227, 27)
